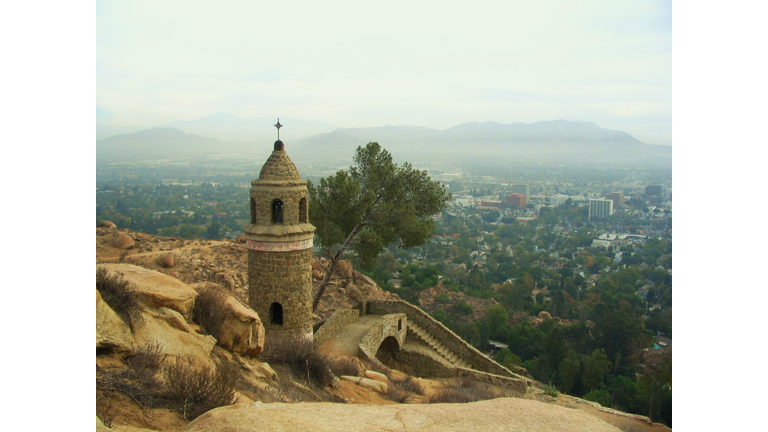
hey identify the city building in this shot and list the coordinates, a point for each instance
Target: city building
(617, 198)
(522, 189)
(516, 199)
(600, 208)
(558, 199)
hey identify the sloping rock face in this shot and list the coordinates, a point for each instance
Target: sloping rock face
(112, 333)
(506, 414)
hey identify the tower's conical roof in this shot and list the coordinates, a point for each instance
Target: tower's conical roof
(279, 166)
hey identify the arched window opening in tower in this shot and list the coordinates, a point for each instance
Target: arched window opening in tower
(303, 211)
(277, 211)
(253, 211)
(276, 314)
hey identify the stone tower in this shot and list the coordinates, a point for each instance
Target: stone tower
(279, 242)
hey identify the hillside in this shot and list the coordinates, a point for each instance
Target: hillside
(174, 324)
(154, 143)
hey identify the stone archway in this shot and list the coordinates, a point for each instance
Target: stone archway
(387, 352)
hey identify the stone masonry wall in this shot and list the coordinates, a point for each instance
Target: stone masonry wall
(285, 278)
(334, 323)
(454, 343)
(395, 325)
(519, 384)
(290, 197)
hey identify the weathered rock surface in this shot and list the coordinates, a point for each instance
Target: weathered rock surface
(241, 331)
(367, 382)
(112, 333)
(163, 328)
(505, 414)
(158, 290)
(165, 260)
(106, 224)
(376, 376)
(122, 241)
(343, 269)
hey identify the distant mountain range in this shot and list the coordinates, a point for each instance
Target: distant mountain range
(229, 128)
(558, 142)
(154, 143)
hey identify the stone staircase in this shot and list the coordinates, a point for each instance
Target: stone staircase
(438, 346)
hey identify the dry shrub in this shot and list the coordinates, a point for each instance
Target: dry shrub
(402, 389)
(139, 381)
(345, 366)
(146, 361)
(192, 390)
(209, 308)
(105, 402)
(118, 294)
(299, 356)
(463, 390)
(180, 386)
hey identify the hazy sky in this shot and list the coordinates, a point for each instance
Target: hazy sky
(416, 63)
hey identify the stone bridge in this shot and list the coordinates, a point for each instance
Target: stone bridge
(406, 338)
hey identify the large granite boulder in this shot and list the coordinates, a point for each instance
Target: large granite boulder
(112, 333)
(122, 241)
(156, 290)
(504, 414)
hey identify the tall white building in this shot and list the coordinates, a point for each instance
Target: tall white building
(600, 208)
(522, 189)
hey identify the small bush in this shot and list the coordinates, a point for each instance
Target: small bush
(118, 293)
(145, 363)
(550, 390)
(191, 390)
(209, 311)
(463, 390)
(299, 356)
(403, 389)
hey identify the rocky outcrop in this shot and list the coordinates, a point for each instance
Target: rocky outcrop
(106, 224)
(236, 327)
(344, 269)
(112, 333)
(505, 414)
(156, 290)
(165, 320)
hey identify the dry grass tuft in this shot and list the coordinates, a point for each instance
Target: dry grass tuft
(299, 356)
(209, 308)
(192, 390)
(118, 293)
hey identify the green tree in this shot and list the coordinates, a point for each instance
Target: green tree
(463, 307)
(568, 371)
(496, 317)
(507, 358)
(596, 368)
(213, 230)
(372, 205)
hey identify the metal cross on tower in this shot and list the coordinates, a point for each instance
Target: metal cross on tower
(278, 126)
